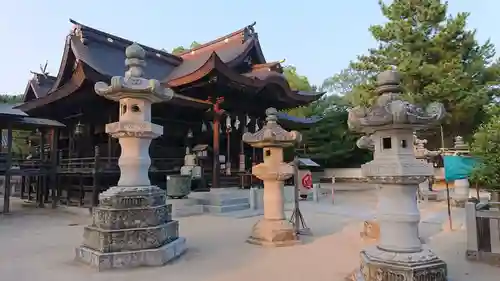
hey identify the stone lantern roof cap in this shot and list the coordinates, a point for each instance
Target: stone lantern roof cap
(272, 134)
(133, 84)
(390, 111)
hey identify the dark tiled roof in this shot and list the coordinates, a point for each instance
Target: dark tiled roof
(39, 85)
(19, 119)
(104, 53)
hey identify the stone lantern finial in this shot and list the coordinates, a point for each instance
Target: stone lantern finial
(460, 144)
(135, 56)
(388, 82)
(134, 85)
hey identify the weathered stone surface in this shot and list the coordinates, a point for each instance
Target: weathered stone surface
(273, 233)
(132, 197)
(128, 259)
(377, 265)
(130, 239)
(110, 218)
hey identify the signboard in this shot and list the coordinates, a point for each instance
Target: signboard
(457, 167)
(307, 180)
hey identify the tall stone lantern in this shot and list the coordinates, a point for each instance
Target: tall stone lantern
(390, 122)
(274, 229)
(132, 226)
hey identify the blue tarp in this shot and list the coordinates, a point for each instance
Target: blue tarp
(457, 167)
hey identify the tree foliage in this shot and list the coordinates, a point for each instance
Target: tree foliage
(180, 49)
(19, 145)
(297, 82)
(11, 99)
(486, 149)
(329, 142)
(439, 58)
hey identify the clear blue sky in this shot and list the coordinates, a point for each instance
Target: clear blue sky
(319, 37)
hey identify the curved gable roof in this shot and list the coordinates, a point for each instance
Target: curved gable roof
(38, 86)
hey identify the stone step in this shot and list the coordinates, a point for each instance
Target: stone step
(185, 207)
(221, 201)
(216, 209)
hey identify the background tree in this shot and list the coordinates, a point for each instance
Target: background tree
(297, 82)
(330, 142)
(486, 149)
(440, 61)
(180, 49)
(11, 99)
(19, 137)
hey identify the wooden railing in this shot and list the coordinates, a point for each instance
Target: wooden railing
(110, 165)
(483, 232)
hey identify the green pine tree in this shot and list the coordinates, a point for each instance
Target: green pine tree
(439, 58)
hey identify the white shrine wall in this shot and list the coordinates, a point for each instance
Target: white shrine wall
(354, 174)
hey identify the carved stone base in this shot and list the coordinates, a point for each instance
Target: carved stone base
(131, 227)
(273, 233)
(379, 265)
(150, 257)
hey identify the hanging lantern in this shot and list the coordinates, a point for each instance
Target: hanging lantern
(237, 123)
(228, 122)
(190, 134)
(79, 129)
(203, 126)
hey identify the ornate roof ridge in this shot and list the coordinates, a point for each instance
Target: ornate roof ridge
(249, 30)
(86, 32)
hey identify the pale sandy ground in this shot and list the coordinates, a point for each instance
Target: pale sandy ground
(39, 245)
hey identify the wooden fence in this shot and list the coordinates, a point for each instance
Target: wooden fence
(483, 232)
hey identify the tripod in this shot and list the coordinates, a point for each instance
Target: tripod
(297, 220)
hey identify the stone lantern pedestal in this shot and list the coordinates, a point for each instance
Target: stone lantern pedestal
(132, 226)
(274, 229)
(390, 122)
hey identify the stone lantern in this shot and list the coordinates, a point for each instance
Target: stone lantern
(132, 226)
(461, 189)
(423, 154)
(274, 229)
(390, 122)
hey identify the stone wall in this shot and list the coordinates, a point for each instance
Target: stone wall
(353, 175)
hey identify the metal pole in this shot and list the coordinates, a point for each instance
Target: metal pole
(442, 137)
(296, 193)
(449, 206)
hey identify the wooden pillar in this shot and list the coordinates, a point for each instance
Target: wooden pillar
(40, 186)
(228, 150)
(217, 114)
(242, 148)
(96, 177)
(8, 165)
(55, 194)
(216, 152)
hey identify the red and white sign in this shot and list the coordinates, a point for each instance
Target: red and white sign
(307, 181)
